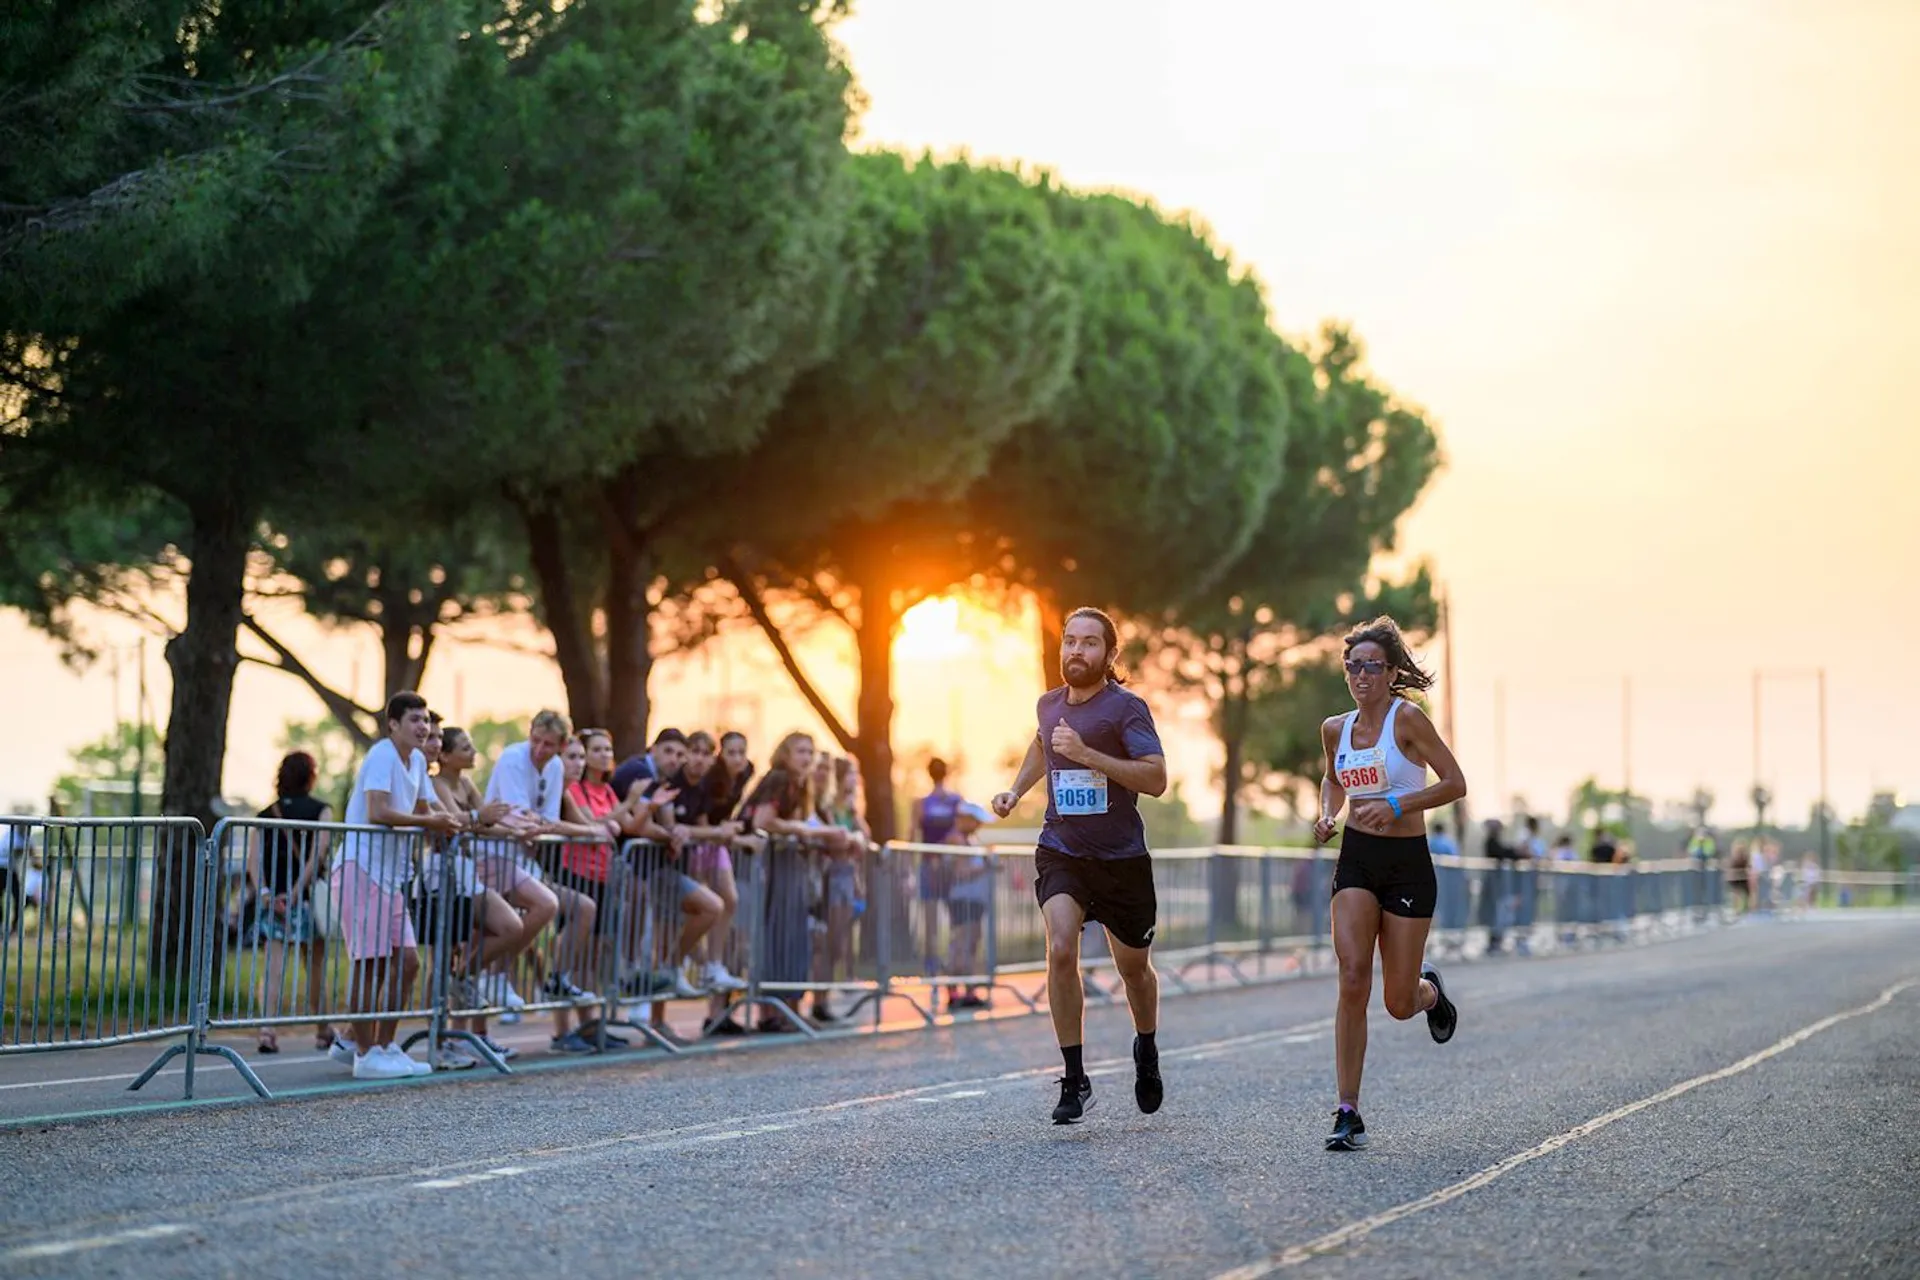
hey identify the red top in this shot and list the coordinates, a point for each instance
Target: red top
(590, 861)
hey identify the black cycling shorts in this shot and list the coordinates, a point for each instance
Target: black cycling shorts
(1398, 870)
(1117, 892)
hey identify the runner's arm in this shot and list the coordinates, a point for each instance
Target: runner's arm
(1032, 769)
(1333, 796)
(1419, 733)
(1146, 776)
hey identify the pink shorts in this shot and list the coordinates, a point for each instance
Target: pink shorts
(373, 918)
(502, 868)
(706, 861)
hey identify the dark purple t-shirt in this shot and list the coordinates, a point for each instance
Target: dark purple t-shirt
(1088, 815)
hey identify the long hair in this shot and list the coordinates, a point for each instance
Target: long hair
(1408, 674)
(295, 776)
(797, 795)
(586, 742)
(1109, 635)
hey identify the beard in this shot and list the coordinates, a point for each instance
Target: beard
(1083, 675)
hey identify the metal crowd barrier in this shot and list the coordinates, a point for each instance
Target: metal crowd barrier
(146, 930)
(111, 954)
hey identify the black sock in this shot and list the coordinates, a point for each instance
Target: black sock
(1071, 1052)
(1144, 1047)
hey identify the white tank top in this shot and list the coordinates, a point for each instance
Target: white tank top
(1380, 770)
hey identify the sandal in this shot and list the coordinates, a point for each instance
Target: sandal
(269, 1043)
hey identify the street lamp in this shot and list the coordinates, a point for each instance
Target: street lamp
(1761, 796)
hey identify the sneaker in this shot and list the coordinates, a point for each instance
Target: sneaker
(510, 1018)
(593, 1035)
(465, 993)
(414, 1065)
(1443, 1017)
(572, 1042)
(716, 977)
(378, 1064)
(1076, 1099)
(727, 1026)
(684, 988)
(504, 1052)
(561, 987)
(498, 993)
(1349, 1131)
(1147, 1089)
(452, 1059)
(343, 1051)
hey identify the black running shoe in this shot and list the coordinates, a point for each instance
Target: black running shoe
(1076, 1099)
(1349, 1131)
(1443, 1017)
(1147, 1089)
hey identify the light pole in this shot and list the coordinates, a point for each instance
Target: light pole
(1819, 676)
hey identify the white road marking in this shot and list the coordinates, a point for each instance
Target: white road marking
(1355, 1231)
(470, 1179)
(61, 1248)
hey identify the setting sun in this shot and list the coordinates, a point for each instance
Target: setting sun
(931, 629)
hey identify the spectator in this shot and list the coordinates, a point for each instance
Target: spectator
(282, 865)
(783, 805)
(934, 815)
(1497, 889)
(369, 884)
(530, 779)
(500, 926)
(16, 853)
(599, 821)
(1563, 850)
(1441, 844)
(654, 765)
(1739, 869)
(843, 889)
(972, 887)
(1603, 851)
(708, 795)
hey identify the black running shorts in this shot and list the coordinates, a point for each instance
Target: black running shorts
(1398, 870)
(1117, 892)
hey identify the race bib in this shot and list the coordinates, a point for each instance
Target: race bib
(1079, 792)
(1362, 773)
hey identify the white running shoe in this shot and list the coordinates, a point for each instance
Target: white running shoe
(717, 978)
(343, 1051)
(414, 1066)
(378, 1064)
(498, 993)
(685, 987)
(452, 1058)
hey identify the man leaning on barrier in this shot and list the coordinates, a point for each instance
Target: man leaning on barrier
(369, 883)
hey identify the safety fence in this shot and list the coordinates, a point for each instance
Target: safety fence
(154, 930)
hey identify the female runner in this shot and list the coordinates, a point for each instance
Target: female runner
(1377, 756)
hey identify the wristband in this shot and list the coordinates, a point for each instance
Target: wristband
(1393, 803)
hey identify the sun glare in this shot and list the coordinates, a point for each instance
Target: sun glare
(931, 629)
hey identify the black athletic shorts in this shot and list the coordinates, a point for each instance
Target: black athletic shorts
(1117, 893)
(426, 919)
(1398, 870)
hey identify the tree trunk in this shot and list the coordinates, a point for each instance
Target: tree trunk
(629, 611)
(1235, 709)
(573, 649)
(202, 659)
(879, 620)
(396, 645)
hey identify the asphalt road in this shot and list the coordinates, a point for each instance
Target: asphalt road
(1742, 1103)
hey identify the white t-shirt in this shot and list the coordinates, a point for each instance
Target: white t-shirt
(516, 781)
(388, 859)
(14, 837)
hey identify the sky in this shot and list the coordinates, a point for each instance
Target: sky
(1653, 269)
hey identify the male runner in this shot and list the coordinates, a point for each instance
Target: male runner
(1099, 752)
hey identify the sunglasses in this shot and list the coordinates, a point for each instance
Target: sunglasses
(1370, 666)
